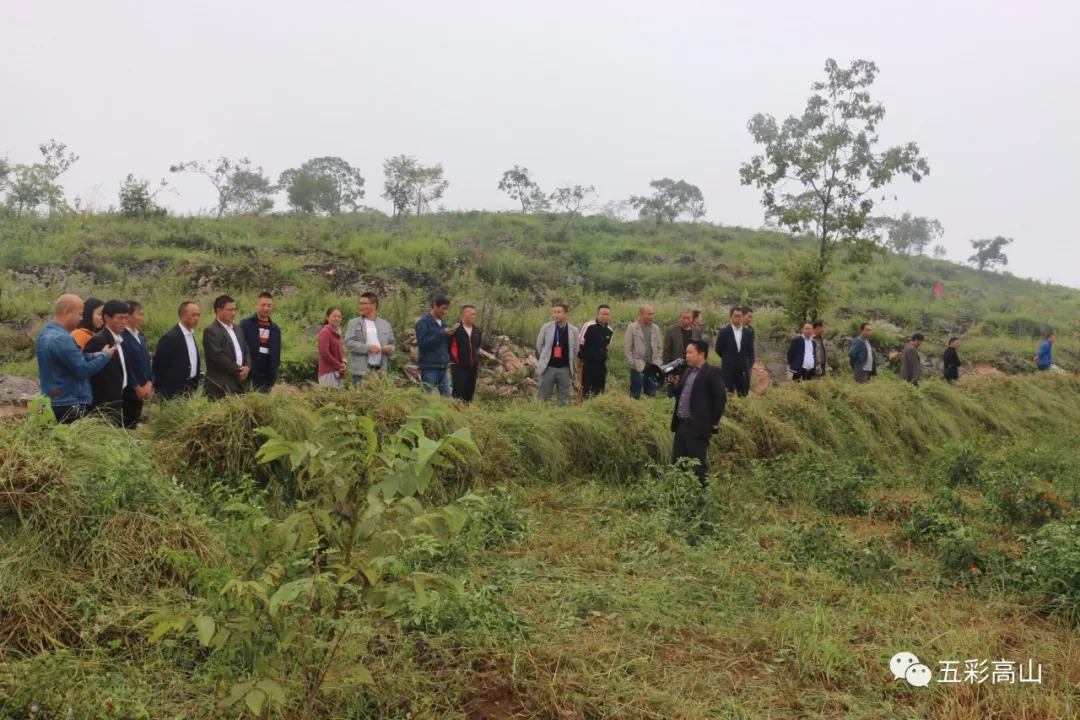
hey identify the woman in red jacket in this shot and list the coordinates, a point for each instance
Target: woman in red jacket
(332, 351)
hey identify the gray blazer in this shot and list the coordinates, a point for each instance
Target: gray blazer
(546, 339)
(634, 345)
(357, 345)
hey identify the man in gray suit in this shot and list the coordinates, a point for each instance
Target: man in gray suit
(369, 339)
(228, 361)
(556, 348)
(676, 338)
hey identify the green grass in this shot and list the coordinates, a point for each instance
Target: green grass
(513, 268)
(844, 523)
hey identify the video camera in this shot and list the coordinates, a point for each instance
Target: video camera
(659, 373)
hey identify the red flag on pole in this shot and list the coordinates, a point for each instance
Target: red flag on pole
(937, 289)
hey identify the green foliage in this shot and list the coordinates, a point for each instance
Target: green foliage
(410, 186)
(327, 185)
(670, 200)
(824, 545)
(241, 187)
(1022, 500)
(805, 294)
(136, 200)
(290, 607)
(959, 465)
(989, 253)
(517, 182)
(830, 152)
(909, 235)
(1051, 566)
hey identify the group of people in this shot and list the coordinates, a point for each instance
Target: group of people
(93, 358)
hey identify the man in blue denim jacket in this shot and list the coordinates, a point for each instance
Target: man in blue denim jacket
(64, 370)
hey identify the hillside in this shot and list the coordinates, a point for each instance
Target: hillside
(512, 267)
(378, 553)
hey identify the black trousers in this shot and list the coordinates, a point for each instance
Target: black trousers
(111, 412)
(800, 375)
(690, 444)
(462, 382)
(67, 414)
(260, 383)
(736, 380)
(131, 410)
(593, 378)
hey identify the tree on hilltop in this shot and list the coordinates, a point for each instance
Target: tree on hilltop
(829, 155)
(517, 182)
(241, 188)
(327, 185)
(670, 200)
(988, 252)
(411, 186)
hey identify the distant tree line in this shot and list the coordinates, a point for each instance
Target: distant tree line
(819, 173)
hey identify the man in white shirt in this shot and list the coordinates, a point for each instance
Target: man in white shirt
(108, 385)
(227, 359)
(800, 355)
(176, 360)
(735, 346)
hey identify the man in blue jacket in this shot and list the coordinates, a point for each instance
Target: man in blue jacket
(1044, 359)
(861, 355)
(64, 370)
(263, 338)
(431, 342)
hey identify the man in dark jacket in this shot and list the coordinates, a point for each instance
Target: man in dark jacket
(594, 344)
(861, 355)
(800, 355)
(431, 336)
(700, 397)
(464, 348)
(735, 346)
(177, 367)
(140, 372)
(108, 385)
(952, 361)
(228, 360)
(263, 338)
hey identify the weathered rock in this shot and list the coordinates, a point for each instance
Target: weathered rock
(17, 389)
(984, 369)
(509, 360)
(759, 377)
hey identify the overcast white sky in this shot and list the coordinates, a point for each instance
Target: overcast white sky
(606, 93)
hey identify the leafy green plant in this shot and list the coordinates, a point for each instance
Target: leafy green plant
(959, 465)
(1051, 566)
(286, 616)
(1022, 500)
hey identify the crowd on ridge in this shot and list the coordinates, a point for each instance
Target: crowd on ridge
(94, 359)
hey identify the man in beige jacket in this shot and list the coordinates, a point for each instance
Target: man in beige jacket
(642, 344)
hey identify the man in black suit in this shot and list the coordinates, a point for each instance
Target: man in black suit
(108, 385)
(177, 367)
(228, 361)
(699, 404)
(735, 346)
(140, 373)
(800, 355)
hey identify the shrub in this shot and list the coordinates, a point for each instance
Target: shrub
(958, 465)
(1051, 566)
(1022, 500)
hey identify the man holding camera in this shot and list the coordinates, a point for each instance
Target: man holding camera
(700, 397)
